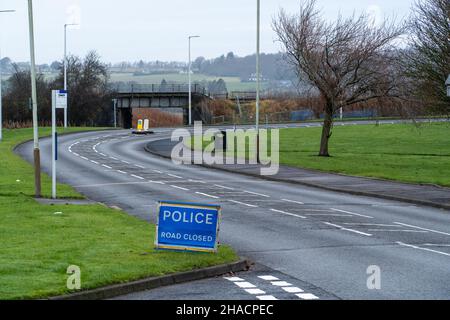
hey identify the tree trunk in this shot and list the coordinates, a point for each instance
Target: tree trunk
(326, 133)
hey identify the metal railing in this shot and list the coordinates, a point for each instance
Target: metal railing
(161, 88)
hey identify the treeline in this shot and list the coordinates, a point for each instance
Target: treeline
(89, 94)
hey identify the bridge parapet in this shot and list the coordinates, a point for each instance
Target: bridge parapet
(161, 88)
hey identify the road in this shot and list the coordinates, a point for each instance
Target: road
(307, 243)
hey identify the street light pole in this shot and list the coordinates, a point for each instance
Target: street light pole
(258, 73)
(37, 155)
(1, 98)
(65, 66)
(190, 81)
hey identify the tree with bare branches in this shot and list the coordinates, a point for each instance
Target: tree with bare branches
(349, 61)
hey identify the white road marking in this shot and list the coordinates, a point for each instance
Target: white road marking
(397, 230)
(107, 167)
(113, 158)
(198, 181)
(139, 166)
(346, 229)
(207, 195)
(157, 171)
(436, 245)
(307, 296)
(266, 298)
(257, 194)
(352, 213)
(122, 172)
(328, 215)
(181, 188)
(76, 154)
(424, 249)
(269, 278)
(95, 162)
(292, 201)
(371, 225)
(102, 154)
(293, 290)
(126, 162)
(84, 158)
(174, 176)
(420, 228)
(244, 285)
(233, 279)
(223, 187)
(255, 291)
(137, 177)
(281, 284)
(288, 213)
(244, 204)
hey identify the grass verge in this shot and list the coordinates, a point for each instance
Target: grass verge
(38, 245)
(400, 152)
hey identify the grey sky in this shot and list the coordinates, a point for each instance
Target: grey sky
(157, 30)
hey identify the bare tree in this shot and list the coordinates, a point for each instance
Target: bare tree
(428, 58)
(349, 61)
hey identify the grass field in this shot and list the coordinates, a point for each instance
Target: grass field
(38, 245)
(401, 152)
(233, 83)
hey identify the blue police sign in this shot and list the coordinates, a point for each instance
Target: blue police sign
(189, 227)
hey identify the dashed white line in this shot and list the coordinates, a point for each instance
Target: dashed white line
(174, 176)
(113, 158)
(102, 154)
(257, 194)
(157, 171)
(105, 166)
(292, 201)
(352, 213)
(420, 228)
(207, 195)
(346, 229)
(84, 158)
(223, 187)
(397, 230)
(424, 249)
(288, 213)
(136, 165)
(126, 162)
(181, 188)
(94, 162)
(137, 177)
(122, 172)
(244, 204)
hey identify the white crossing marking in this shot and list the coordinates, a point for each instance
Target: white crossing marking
(255, 291)
(233, 279)
(244, 285)
(288, 213)
(292, 290)
(266, 298)
(307, 296)
(281, 284)
(269, 278)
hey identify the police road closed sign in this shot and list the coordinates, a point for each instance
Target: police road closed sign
(188, 227)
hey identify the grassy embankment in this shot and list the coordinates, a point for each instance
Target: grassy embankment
(38, 245)
(401, 152)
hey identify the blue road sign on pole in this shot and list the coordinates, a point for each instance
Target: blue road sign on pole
(188, 226)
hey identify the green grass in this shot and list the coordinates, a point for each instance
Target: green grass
(108, 245)
(233, 83)
(401, 152)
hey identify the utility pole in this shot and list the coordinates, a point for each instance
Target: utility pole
(190, 80)
(37, 153)
(258, 74)
(1, 97)
(65, 66)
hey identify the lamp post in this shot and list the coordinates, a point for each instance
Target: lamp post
(65, 66)
(37, 153)
(190, 80)
(1, 106)
(258, 73)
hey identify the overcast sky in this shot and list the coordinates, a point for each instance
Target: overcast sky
(157, 30)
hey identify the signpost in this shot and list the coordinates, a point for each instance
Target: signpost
(188, 227)
(59, 101)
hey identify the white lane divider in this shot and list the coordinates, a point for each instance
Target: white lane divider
(180, 188)
(243, 203)
(207, 195)
(292, 201)
(347, 229)
(424, 249)
(223, 187)
(257, 194)
(137, 177)
(138, 166)
(122, 172)
(420, 228)
(174, 176)
(105, 166)
(288, 213)
(352, 213)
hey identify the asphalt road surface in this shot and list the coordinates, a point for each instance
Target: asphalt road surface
(307, 243)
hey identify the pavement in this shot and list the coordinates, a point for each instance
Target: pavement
(319, 243)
